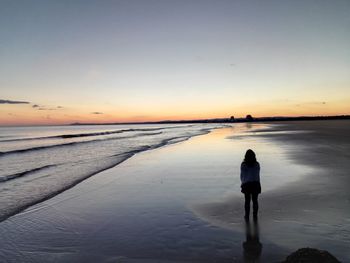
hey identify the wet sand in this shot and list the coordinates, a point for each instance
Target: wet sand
(182, 203)
(313, 211)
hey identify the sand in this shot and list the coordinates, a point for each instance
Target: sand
(313, 211)
(181, 203)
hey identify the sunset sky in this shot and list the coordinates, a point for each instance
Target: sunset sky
(69, 61)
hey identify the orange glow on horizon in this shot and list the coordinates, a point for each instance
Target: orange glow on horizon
(26, 115)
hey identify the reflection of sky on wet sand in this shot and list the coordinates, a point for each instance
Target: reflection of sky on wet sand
(143, 208)
(300, 206)
(276, 171)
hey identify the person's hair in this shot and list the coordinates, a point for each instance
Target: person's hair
(249, 158)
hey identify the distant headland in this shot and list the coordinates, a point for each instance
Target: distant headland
(231, 119)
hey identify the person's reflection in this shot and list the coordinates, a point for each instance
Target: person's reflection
(252, 247)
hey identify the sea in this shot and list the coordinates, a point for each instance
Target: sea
(39, 162)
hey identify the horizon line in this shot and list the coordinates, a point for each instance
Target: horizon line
(207, 120)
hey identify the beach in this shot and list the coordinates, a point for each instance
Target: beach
(181, 202)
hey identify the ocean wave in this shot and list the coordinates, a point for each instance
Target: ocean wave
(30, 200)
(41, 187)
(179, 138)
(73, 143)
(118, 158)
(90, 134)
(5, 178)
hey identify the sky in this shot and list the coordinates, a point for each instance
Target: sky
(70, 61)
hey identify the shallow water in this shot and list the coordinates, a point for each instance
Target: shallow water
(157, 207)
(38, 162)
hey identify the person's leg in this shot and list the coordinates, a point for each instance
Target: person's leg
(255, 205)
(247, 205)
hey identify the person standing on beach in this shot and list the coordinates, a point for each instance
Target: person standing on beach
(250, 187)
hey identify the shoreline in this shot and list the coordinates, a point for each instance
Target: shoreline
(121, 158)
(303, 203)
(229, 120)
(141, 210)
(198, 121)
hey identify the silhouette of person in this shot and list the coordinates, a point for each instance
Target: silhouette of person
(250, 187)
(252, 247)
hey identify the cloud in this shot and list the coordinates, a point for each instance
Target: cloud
(43, 108)
(13, 102)
(96, 112)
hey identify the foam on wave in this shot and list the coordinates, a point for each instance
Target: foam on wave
(74, 143)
